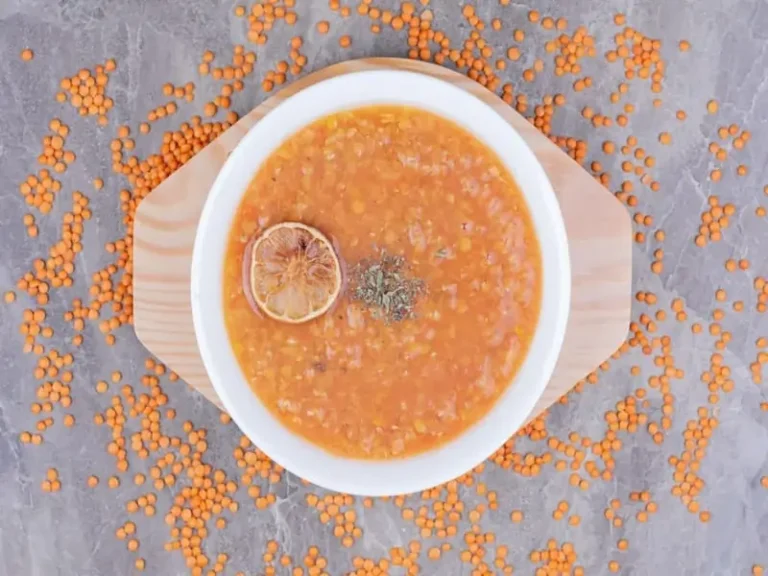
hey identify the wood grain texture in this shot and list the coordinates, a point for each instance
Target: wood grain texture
(598, 227)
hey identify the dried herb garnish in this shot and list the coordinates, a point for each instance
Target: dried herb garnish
(382, 287)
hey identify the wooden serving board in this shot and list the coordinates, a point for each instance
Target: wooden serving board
(598, 227)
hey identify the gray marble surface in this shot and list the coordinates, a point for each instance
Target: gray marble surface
(72, 531)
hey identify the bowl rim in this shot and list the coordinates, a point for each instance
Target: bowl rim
(509, 412)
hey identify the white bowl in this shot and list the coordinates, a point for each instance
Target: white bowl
(396, 476)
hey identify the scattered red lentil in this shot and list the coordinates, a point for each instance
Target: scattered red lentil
(210, 492)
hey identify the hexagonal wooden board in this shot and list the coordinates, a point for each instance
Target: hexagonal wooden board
(598, 227)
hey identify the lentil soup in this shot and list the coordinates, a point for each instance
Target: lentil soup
(408, 192)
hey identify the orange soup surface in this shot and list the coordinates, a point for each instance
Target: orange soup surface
(383, 182)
